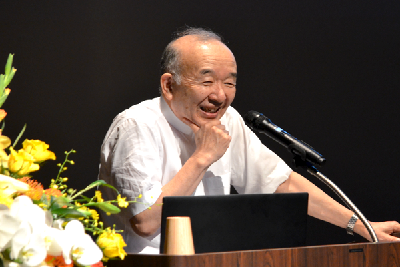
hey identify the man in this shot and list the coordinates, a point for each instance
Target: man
(190, 141)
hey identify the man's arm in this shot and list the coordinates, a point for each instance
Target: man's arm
(212, 141)
(325, 208)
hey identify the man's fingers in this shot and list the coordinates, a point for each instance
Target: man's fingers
(191, 124)
(222, 128)
(396, 227)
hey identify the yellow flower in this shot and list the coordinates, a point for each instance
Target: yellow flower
(97, 194)
(94, 215)
(4, 143)
(38, 149)
(21, 162)
(122, 202)
(5, 199)
(112, 244)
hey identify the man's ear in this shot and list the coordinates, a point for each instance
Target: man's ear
(166, 86)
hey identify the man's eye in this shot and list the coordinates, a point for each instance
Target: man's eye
(230, 84)
(207, 82)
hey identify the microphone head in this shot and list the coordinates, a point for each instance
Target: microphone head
(251, 117)
(255, 120)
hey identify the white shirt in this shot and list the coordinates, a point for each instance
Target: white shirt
(147, 145)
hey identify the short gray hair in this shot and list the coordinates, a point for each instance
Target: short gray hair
(170, 59)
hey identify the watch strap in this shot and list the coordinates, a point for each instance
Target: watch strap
(351, 224)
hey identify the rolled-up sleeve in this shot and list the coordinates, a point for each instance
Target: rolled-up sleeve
(132, 155)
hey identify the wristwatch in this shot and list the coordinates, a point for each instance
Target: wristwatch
(351, 223)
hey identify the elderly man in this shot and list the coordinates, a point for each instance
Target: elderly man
(190, 141)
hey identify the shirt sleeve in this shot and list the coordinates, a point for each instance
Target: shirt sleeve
(255, 168)
(131, 163)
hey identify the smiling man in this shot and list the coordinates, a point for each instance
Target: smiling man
(190, 141)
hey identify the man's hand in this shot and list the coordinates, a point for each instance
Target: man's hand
(212, 140)
(383, 230)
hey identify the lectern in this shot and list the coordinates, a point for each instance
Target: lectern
(385, 254)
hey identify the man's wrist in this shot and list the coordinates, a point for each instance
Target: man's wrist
(351, 224)
(203, 160)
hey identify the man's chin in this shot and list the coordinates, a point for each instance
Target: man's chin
(207, 120)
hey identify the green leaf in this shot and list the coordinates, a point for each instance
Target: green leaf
(112, 187)
(92, 185)
(70, 213)
(104, 183)
(2, 86)
(3, 99)
(61, 201)
(9, 63)
(105, 206)
(9, 77)
(97, 183)
(83, 198)
(19, 136)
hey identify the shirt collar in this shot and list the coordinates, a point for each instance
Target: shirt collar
(172, 119)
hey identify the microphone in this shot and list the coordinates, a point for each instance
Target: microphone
(261, 123)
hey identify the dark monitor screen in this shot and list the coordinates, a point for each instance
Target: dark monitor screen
(241, 222)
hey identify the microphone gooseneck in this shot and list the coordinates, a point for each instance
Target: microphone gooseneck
(305, 156)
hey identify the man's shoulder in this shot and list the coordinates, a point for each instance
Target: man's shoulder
(231, 116)
(145, 112)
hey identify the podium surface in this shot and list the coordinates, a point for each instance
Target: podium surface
(385, 254)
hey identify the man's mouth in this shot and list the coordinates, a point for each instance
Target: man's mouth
(210, 110)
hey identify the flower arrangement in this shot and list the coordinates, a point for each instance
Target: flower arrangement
(49, 227)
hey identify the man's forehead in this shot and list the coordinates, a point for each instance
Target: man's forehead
(193, 50)
(191, 45)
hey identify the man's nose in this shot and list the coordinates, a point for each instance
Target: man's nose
(218, 95)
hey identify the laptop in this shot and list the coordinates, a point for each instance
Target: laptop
(241, 222)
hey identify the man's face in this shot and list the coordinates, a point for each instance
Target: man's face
(208, 82)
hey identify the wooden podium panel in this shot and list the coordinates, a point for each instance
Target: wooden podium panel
(385, 254)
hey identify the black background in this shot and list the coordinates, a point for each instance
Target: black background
(325, 71)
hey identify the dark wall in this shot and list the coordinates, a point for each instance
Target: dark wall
(328, 72)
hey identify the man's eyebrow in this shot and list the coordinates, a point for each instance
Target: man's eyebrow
(206, 71)
(210, 71)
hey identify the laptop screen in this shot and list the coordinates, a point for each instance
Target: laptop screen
(241, 222)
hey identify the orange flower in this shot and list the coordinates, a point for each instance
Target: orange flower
(52, 192)
(35, 191)
(57, 261)
(3, 114)
(99, 264)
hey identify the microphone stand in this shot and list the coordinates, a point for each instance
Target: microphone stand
(300, 161)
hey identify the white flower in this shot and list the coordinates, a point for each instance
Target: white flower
(10, 185)
(34, 252)
(58, 224)
(56, 241)
(86, 252)
(27, 223)
(80, 245)
(8, 227)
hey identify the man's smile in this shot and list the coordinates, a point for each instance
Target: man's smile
(210, 110)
